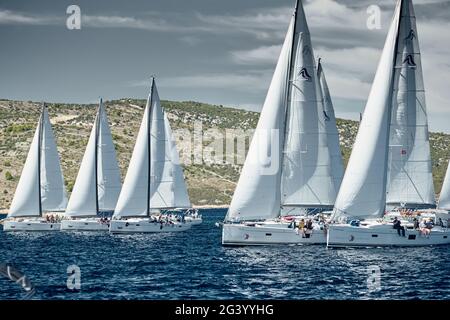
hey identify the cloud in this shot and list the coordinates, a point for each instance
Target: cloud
(260, 55)
(252, 80)
(13, 18)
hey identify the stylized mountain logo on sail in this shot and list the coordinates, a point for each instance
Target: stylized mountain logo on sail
(410, 61)
(327, 118)
(304, 74)
(411, 35)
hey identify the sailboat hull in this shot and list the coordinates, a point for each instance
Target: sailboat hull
(146, 226)
(92, 224)
(193, 221)
(260, 234)
(30, 225)
(379, 235)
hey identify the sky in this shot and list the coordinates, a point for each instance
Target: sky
(214, 51)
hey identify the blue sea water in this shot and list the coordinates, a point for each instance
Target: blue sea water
(194, 265)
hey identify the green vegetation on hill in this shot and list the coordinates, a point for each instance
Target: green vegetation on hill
(208, 183)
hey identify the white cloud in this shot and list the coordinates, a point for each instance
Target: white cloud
(260, 55)
(11, 17)
(253, 81)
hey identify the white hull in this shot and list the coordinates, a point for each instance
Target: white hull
(146, 226)
(193, 221)
(268, 234)
(30, 225)
(377, 235)
(92, 224)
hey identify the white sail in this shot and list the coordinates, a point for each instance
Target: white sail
(337, 168)
(181, 197)
(162, 173)
(83, 200)
(410, 180)
(26, 198)
(108, 172)
(142, 192)
(52, 190)
(257, 194)
(133, 196)
(363, 189)
(444, 197)
(306, 176)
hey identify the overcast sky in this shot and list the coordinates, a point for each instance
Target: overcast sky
(215, 51)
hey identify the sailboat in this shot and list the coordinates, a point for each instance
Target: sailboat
(361, 201)
(41, 186)
(154, 181)
(98, 183)
(288, 169)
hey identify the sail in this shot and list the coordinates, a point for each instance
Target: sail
(141, 191)
(53, 192)
(306, 176)
(257, 194)
(83, 200)
(180, 197)
(26, 198)
(444, 197)
(162, 173)
(410, 180)
(363, 189)
(134, 194)
(108, 172)
(337, 168)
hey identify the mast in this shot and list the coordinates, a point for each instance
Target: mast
(41, 124)
(149, 145)
(288, 93)
(391, 96)
(97, 130)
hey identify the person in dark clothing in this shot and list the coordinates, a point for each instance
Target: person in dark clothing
(416, 224)
(398, 226)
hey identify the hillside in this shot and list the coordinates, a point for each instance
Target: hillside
(209, 182)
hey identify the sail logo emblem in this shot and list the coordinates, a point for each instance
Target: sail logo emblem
(304, 74)
(246, 236)
(410, 61)
(411, 35)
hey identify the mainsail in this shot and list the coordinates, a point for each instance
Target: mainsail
(410, 181)
(334, 148)
(98, 183)
(306, 173)
(363, 189)
(154, 174)
(41, 185)
(288, 163)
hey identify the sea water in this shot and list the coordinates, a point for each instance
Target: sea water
(194, 265)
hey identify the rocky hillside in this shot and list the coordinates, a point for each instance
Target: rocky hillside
(211, 179)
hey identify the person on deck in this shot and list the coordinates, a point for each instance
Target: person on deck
(399, 227)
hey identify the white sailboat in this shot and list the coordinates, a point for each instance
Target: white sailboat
(288, 166)
(98, 183)
(363, 191)
(154, 181)
(41, 186)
